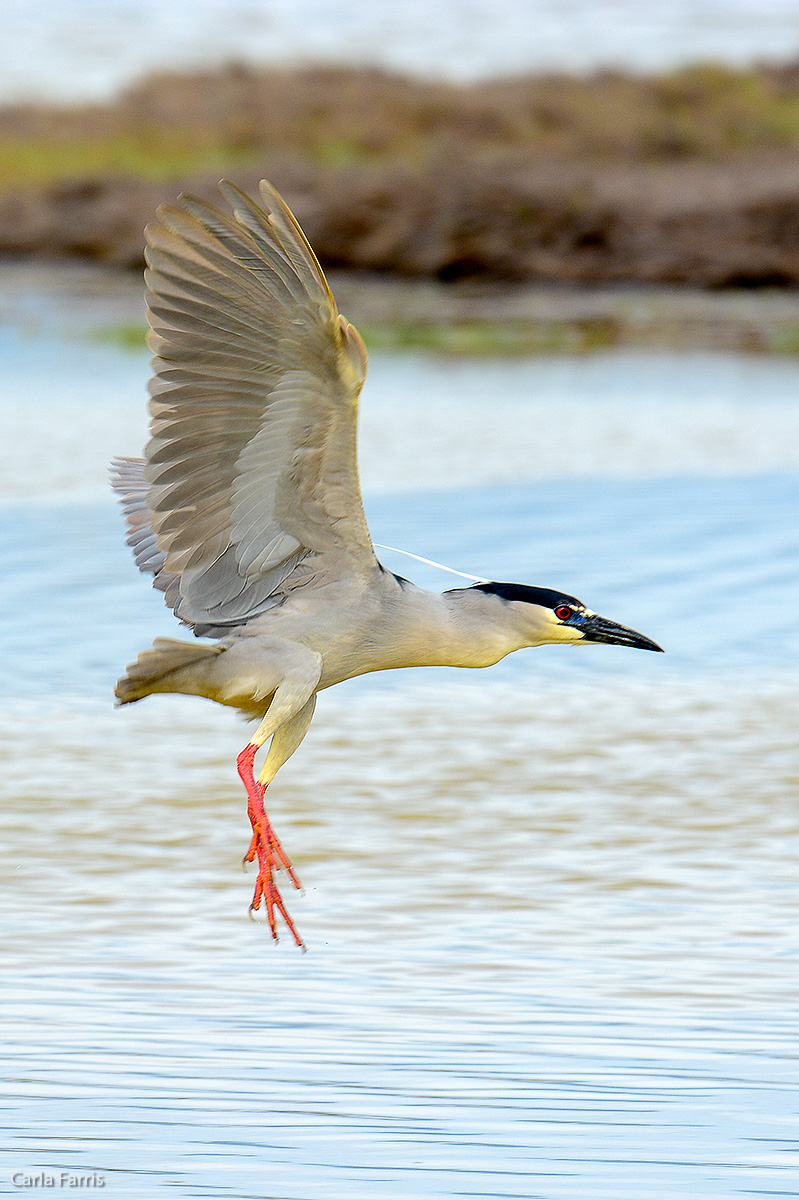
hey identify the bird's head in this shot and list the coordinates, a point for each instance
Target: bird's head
(543, 616)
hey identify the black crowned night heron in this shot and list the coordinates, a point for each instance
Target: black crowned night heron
(247, 508)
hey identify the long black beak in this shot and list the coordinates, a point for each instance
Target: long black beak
(598, 629)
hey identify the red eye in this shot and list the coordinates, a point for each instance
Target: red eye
(563, 612)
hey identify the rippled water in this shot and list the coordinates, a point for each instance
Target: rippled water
(552, 908)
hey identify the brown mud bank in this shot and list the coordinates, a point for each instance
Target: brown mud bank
(687, 178)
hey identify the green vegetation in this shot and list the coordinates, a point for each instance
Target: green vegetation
(128, 335)
(41, 160)
(492, 339)
(520, 338)
(783, 339)
(468, 339)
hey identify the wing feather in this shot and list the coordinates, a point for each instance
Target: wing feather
(250, 484)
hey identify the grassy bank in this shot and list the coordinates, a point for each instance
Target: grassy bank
(687, 177)
(174, 123)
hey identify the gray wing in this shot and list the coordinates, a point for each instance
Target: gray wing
(251, 472)
(127, 479)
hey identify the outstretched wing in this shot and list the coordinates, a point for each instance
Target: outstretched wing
(251, 471)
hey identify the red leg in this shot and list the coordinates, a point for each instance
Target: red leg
(266, 847)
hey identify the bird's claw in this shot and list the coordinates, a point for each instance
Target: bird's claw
(271, 857)
(266, 842)
(266, 847)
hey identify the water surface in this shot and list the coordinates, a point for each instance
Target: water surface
(551, 907)
(87, 48)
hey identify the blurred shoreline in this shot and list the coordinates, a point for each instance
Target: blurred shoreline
(69, 298)
(629, 208)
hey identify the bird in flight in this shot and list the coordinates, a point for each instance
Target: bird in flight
(246, 508)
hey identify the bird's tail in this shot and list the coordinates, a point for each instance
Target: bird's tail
(170, 666)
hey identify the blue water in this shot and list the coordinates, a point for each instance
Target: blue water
(552, 907)
(708, 567)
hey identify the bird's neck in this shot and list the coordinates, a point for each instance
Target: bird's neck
(453, 629)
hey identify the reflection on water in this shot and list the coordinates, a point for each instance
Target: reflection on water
(551, 907)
